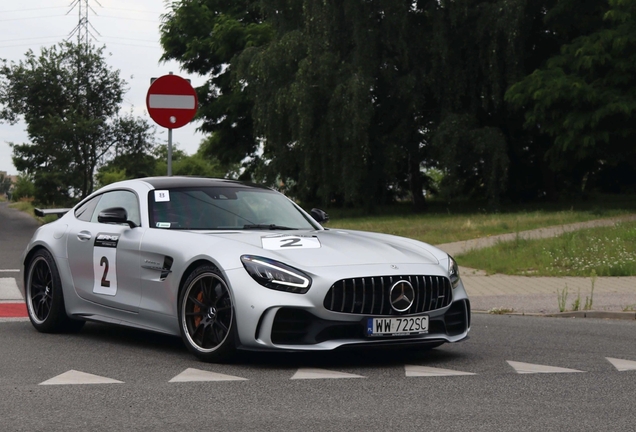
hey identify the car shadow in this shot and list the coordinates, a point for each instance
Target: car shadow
(161, 344)
(359, 357)
(132, 337)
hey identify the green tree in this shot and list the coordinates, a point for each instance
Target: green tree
(340, 99)
(205, 37)
(24, 188)
(198, 164)
(478, 49)
(5, 184)
(70, 100)
(331, 86)
(584, 98)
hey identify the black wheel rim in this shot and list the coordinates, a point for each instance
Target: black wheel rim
(40, 294)
(207, 312)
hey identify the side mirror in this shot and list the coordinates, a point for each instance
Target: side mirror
(319, 215)
(116, 215)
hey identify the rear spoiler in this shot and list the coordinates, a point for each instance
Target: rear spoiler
(45, 212)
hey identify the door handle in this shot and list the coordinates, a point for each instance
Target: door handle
(84, 235)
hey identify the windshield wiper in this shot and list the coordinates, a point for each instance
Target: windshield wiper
(267, 226)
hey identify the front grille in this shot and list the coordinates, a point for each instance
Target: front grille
(370, 295)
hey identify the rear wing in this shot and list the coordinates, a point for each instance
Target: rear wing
(45, 212)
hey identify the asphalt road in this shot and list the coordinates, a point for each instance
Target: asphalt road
(496, 398)
(378, 395)
(16, 229)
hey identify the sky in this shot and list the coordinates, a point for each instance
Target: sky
(130, 31)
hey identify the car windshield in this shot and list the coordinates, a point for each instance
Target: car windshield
(224, 208)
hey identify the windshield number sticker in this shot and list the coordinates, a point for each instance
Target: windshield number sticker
(290, 242)
(162, 196)
(105, 264)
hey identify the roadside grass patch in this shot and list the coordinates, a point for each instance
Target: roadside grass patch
(445, 228)
(603, 251)
(500, 311)
(26, 205)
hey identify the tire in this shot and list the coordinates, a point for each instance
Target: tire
(44, 296)
(206, 316)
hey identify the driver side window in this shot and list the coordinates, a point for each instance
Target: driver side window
(124, 199)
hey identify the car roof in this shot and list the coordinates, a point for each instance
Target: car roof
(182, 181)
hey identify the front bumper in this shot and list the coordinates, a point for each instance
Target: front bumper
(271, 320)
(293, 327)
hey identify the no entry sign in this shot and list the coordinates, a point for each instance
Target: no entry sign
(171, 101)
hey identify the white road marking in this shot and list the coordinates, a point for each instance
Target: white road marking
(10, 271)
(622, 365)
(171, 101)
(190, 375)
(77, 377)
(9, 289)
(312, 373)
(529, 368)
(425, 371)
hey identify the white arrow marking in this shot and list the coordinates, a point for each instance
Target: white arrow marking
(529, 368)
(171, 101)
(9, 289)
(191, 375)
(311, 373)
(425, 371)
(77, 377)
(622, 365)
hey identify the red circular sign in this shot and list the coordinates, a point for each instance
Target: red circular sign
(171, 101)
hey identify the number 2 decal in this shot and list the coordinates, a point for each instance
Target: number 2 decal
(276, 242)
(290, 242)
(104, 262)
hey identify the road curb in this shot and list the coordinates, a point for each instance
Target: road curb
(578, 314)
(596, 314)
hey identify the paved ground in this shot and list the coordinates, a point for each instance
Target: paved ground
(528, 294)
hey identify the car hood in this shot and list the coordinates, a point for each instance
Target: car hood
(336, 247)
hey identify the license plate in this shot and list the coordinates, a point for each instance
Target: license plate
(397, 326)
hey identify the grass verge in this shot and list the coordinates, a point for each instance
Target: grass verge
(26, 206)
(604, 251)
(446, 228)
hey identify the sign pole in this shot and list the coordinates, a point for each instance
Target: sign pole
(169, 152)
(170, 147)
(171, 102)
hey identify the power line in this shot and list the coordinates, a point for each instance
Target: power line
(135, 45)
(30, 18)
(31, 9)
(28, 44)
(135, 10)
(126, 18)
(125, 38)
(31, 38)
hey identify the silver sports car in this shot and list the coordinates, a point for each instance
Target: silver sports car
(228, 265)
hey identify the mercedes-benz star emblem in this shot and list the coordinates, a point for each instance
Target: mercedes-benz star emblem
(402, 296)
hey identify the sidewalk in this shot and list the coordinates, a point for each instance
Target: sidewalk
(530, 295)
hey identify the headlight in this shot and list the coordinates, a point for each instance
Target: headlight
(453, 272)
(275, 275)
